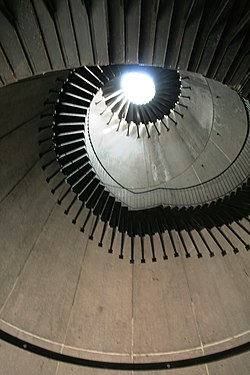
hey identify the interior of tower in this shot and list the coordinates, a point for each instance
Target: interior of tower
(124, 187)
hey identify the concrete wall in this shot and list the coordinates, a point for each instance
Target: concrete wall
(62, 292)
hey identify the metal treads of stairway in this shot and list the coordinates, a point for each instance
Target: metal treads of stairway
(70, 172)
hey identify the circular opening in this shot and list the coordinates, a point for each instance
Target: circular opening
(139, 88)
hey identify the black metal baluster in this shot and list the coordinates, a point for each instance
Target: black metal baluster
(112, 240)
(78, 213)
(91, 236)
(103, 233)
(66, 211)
(59, 200)
(46, 165)
(86, 221)
(122, 245)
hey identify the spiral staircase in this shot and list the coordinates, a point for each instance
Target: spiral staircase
(125, 235)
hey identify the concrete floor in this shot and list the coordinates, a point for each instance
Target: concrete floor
(60, 291)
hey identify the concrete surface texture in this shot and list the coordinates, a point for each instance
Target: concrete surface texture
(61, 292)
(203, 144)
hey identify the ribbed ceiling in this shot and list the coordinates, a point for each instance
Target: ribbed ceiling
(208, 37)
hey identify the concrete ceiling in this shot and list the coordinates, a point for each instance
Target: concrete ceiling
(66, 305)
(211, 38)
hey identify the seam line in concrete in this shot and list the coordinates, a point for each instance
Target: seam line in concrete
(18, 182)
(26, 122)
(218, 147)
(26, 260)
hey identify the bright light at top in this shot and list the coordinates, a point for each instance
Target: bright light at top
(139, 88)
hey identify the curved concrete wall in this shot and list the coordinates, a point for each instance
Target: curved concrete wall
(164, 169)
(60, 291)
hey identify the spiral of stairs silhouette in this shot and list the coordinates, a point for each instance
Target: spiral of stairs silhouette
(179, 300)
